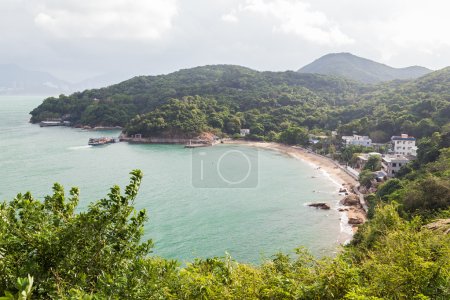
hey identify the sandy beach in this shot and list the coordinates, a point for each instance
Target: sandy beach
(327, 165)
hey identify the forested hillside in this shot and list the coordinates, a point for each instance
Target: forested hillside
(236, 89)
(226, 98)
(360, 69)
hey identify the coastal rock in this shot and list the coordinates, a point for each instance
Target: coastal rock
(350, 200)
(355, 220)
(320, 205)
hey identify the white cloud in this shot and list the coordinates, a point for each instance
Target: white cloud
(264, 34)
(294, 17)
(106, 19)
(397, 32)
(231, 17)
(425, 28)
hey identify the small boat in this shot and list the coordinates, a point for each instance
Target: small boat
(50, 123)
(102, 141)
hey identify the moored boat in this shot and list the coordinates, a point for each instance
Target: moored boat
(50, 123)
(102, 141)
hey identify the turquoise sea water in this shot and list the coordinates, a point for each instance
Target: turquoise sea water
(184, 221)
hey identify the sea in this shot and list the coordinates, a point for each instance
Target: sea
(234, 200)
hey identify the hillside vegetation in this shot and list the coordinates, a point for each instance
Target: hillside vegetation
(226, 98)
(360, 69)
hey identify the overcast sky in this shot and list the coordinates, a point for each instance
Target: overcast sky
(76, 39)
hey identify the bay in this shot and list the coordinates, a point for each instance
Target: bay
(185, 221)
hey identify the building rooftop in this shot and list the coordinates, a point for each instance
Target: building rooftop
(355, 136)
(403, 137)
(365, 156)
(395, 158)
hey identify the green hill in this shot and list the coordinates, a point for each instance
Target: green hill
(227, 98)
(360, 69)
(235, 89)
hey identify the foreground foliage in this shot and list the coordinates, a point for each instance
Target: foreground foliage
(98, 254)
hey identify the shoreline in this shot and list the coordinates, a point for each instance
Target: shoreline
(329, 168)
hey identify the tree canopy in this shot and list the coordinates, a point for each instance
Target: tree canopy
(233, 97)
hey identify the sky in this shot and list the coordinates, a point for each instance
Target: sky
(75, 39)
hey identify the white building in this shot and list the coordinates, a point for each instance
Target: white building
(392, 163)
(245, 132)
(357, 140)
(404, 145)
(363, 158)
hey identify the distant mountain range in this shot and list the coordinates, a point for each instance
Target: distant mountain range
(15, 80)
(361, 69)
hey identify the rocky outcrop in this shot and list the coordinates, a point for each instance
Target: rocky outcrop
(442, 225)
(355, 221)
(350, 200)
(320, 205)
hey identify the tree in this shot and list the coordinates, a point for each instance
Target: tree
(427, 195)
(366, 177)
(62, 249)
(388, 188)
(294, 135)
(373, 163)
(428, 149)
(233, 125)
(425, 128)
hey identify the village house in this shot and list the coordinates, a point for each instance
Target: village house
(392, 163)
(244, 132)
(314, 139)
(363, 158)
(404, 145)
(357, 140)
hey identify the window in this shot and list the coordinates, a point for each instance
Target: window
(394, 165)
